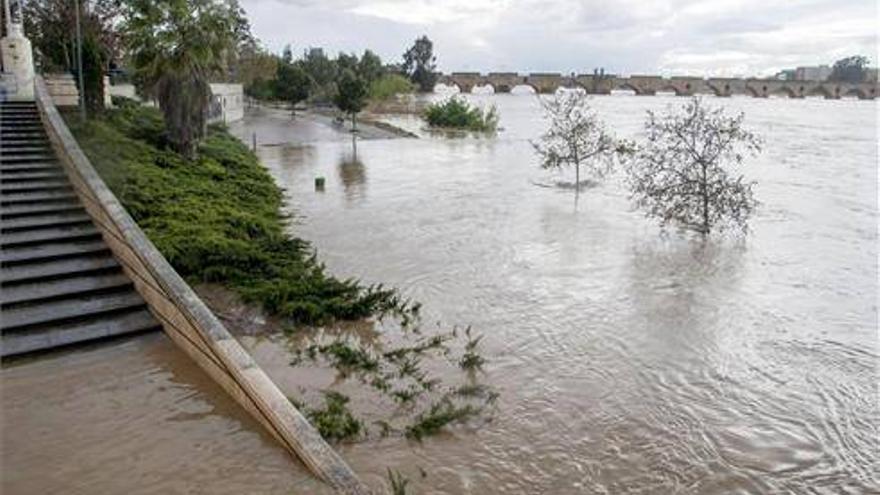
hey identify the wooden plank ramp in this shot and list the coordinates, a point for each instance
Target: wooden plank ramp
(59, 282)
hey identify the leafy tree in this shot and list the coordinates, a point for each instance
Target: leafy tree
(370, 67)
(346, 62)
(292, 83)
(175, 47)
(576, 137)
(850, 69)
(51, 27)
(419, 64)
(256, 69)
(680, 175)
(351, 96)
(321, 69)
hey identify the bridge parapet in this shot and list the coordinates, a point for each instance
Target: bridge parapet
(646, 84)
(545, 82)
(504, 82)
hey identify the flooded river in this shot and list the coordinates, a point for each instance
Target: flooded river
(628, 361)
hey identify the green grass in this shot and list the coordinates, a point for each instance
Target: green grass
(398, 482)
(438, 416)
(456, 113)
(217, 218)
(335, 422)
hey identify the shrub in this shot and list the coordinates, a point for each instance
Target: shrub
(217, 218)
(388, 86)
(456, 113)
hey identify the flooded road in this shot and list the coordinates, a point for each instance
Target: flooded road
(133, 416)
(628, 360)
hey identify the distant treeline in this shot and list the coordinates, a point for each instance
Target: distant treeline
(317, 78)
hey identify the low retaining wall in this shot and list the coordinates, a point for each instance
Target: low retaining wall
(185, 318)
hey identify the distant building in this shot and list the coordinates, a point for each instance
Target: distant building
(819, 73)
(785, 75)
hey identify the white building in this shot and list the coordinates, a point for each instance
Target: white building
(819, 73)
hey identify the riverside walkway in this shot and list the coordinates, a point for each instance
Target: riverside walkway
(59, 281)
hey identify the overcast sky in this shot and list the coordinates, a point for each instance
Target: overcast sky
(698, 37)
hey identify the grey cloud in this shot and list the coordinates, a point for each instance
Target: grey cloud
(625, 36)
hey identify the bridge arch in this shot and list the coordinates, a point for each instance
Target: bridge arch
(447, 84)
(670, 88)
(521, 87)
(484, 88)
(783, 90)
(818, 90)
(625, 86)
(719, 89)
(857, 92)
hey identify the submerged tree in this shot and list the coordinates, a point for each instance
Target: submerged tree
(680, 175)
(292, 83)
(576, 137)
(419, 63)
(351, 96)
(176, 46)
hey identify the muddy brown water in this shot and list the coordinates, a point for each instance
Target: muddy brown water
(628, 361)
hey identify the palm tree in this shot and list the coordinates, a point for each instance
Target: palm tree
(175, 46)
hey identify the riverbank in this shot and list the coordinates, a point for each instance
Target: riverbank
(369, 126)
(218, 221)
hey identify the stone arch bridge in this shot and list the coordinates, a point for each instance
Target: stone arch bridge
(549, 82)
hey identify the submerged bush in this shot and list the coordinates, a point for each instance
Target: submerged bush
(456, 113)
(388, 86)
(217, 218)
(334, 421)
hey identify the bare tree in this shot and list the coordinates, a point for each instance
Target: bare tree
(680, 175)
(575, 137)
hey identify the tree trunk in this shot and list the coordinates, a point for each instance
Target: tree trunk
(577, 177)
(704, 187)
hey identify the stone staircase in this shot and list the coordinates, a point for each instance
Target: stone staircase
(59, 282)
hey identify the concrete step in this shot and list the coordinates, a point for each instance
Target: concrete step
(68, 288)
(69, 310)
(20, 118)
(15, 188)
(44, 222)
(52, 252)
(57, 270)
(53, 235)
(23, 135)
(30, 176)
(8, 127)
(8, 170)
(39, 156)
(134, 322)
(22, 150)
(10, 212)
(37, 198)
(44, 141)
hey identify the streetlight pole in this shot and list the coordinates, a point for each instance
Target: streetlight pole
(79, 63)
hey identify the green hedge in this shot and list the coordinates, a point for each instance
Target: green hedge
(217, 218)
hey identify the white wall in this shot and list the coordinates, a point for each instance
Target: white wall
(228, 103)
